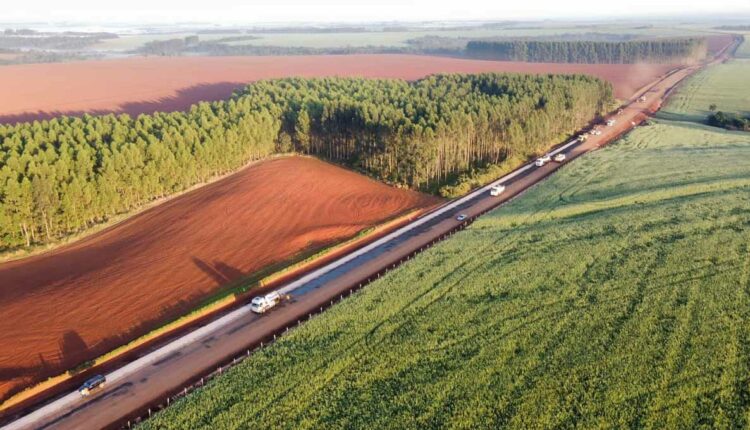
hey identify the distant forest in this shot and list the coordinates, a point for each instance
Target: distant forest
(635, 51)
(63, 175)
(568, 48)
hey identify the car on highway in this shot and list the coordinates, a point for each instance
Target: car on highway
(91, 384)
(461, 217)
(541, 161)
(496, 190)
(559, 157)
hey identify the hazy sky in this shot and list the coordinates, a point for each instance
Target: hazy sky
(248, 11)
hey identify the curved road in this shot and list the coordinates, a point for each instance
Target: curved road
(168, 369)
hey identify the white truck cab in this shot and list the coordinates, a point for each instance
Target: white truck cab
(261, 304)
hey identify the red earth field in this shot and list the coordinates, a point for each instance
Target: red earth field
(82, 300)
(145, 85)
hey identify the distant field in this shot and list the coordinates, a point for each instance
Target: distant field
(130, 42)
(614, 294)
(387, 38)
(398, 39)
(145, 85)
(727, 85)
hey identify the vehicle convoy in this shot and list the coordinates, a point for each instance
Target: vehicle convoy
(91, 384)
(496, 190)
(262, 304)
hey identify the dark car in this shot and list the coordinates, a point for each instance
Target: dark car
(91, 384)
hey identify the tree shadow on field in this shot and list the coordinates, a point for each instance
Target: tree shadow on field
(74, 352)
(182, 101)
(219, 271)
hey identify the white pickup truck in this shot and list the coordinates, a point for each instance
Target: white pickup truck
(262, 304)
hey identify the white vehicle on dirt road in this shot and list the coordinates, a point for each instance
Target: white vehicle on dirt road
(596, 132)
(262, 304)
(497, 190)
(559, 157)
(461, 217)
(610, 123)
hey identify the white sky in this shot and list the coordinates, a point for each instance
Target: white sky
(250, 11)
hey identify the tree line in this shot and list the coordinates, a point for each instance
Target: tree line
(587, 51)
(729, 120)
(64, 175)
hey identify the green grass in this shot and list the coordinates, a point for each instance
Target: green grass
(726, 85)
(614, 294)
(744, 50)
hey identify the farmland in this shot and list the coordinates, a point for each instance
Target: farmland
(396, 38)
(64, 307)
(616, 293)
(145, 85)
(726, 85)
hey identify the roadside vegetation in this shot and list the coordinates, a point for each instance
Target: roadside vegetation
(616, 293)
(64, 175)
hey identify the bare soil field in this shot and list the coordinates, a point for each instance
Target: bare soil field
(145, 85)
(82, 300)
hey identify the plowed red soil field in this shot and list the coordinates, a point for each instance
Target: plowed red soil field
(82, 300)
(145, 85)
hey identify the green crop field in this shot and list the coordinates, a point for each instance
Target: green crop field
(726, 85)
(744, 49)
(614, 294)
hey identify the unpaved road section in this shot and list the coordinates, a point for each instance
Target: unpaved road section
(80, 301)
(148, 379)
(145, 85)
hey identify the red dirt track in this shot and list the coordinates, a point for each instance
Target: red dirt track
(84, 299)
(145, 85)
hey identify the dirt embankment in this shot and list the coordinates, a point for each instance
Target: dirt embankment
(145, 85)
(82, 300)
